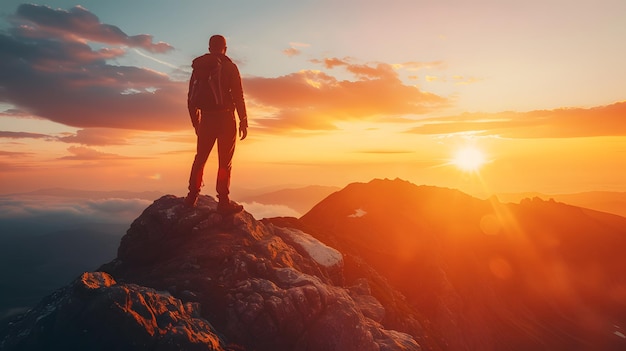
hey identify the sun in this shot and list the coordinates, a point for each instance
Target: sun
(469, 159)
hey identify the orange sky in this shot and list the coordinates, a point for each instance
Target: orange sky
(88, 101)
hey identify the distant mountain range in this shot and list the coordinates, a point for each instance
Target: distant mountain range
(304, 198)
(91, 194)
(605, 201)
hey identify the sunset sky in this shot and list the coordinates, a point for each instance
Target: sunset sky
(93, 93)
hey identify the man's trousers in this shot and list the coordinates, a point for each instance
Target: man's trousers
(221, 127)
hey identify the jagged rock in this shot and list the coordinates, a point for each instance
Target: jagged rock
(96, 313)
(264, 287)
(260, 286)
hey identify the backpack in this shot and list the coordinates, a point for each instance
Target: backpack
(206, 89)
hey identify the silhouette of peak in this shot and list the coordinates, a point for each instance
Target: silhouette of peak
(390, 195)
(498, 271)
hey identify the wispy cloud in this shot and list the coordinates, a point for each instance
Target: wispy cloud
(81, 153)
(385, 152)
(24, 135)
(165, 63)
(291, 52)
(13, 154)
(559, 123)
(91, 136)
(12, 112)
(97, 136)
(295, 49)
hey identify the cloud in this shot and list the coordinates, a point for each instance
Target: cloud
(52, 213)
(23, 135)
(79, 24)
(48, 70)
(456, 79)
(291, 52)
(97, 136)
(294, 50)
(13, 154)
(128, 208)
(415, 65)
(81, 153)
(347, 62)
(559, 123)
(12, 112)
(332, 62)
(314, 100)
(461, 80)
(385, 152)
(91, 136)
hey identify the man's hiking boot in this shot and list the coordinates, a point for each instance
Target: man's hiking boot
(191, 199)
(229, 207)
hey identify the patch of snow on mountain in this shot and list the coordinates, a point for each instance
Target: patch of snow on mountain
(320, 252)
(359, 212)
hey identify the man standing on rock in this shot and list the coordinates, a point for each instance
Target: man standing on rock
(215, 92)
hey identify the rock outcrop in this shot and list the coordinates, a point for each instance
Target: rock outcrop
(191, 279)
(97, 313)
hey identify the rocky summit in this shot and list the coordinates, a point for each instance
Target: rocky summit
(191, 279)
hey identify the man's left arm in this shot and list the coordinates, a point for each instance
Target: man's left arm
(191, 104)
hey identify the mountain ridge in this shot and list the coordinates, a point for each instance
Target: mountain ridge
(604, 201)
(454, 244)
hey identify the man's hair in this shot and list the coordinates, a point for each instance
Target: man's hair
(217, 42)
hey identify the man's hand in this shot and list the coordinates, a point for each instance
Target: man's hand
(243, 128)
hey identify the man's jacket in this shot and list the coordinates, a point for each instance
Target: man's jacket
(215, 84)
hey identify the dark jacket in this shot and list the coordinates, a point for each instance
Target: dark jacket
(230, 81)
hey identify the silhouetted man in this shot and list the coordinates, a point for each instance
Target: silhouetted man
(215, 92)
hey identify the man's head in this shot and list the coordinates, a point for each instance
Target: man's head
(217, 44)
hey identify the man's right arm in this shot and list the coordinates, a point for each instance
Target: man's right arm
(237, 94)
